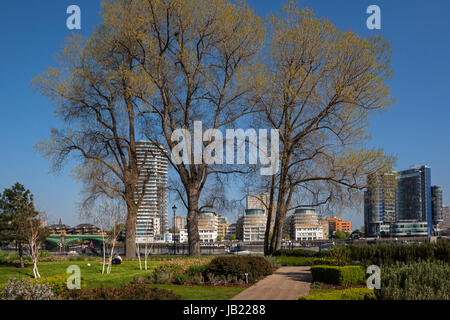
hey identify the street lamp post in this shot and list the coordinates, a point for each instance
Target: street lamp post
(174, 208)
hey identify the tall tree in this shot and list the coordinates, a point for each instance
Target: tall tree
(322, 85)
(94, 88)
(16, 211)
(172, 62)
(198, 57)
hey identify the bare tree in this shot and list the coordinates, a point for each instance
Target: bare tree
(110, 215)
(322, 85)
(35, 233)
(198, 57)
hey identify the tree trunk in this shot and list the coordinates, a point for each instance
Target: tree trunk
(130, 236)
(22, 265)
(275, 244)
(267, 238)
(192, 223)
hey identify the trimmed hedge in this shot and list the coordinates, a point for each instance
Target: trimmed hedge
(343, 276)
(301, 253)
(237, 266)
(303, 261)
(345, 294)
(390, 253)
(131, 291)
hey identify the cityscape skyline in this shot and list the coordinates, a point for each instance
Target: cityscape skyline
(58, 195)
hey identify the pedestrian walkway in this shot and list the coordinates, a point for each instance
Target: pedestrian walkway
(287, 283)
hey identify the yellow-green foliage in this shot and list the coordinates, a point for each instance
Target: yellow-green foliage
(345, 294)
(342, 276)
(58, 283)
(179, 266)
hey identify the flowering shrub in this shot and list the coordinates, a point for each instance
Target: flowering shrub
(175, 268)
(24, 289)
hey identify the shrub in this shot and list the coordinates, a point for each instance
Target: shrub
(25, 289)
(424, 280)
(274, 261)
(44, 254)
(57, 283)
(345, 294)
(168, 272)
(237, 266)
(390, 253)
(343, 276)
(131, 291)
(301, 253)
(340, 255)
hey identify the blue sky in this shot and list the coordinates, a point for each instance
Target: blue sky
(416, 130)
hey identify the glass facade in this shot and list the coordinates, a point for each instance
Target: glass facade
(414, 196)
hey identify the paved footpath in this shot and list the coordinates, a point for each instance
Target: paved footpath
(287, 283)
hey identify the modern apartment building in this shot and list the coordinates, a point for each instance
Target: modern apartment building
(304, 224)
(414, 196)
(253, 225)
(222, 230)
(338, 224)
(380, 203)
(179, 223)
(151, 220)
(208, 226)
(437, 208)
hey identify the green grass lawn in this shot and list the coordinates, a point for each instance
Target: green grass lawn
(92, 274)
(202, 292)
(120, 274)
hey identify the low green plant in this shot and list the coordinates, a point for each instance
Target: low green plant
(131, 291)
(343, 276)
(345, 294)
(423, 280)
(301, 253)
(340, 255)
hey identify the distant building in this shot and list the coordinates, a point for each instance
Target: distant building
(380, 203)
(59, 228)
(304, 224)
(179, 223)
(414, 196)
(338, 224)
(208, 226)
(261, 201)
(231, 231)
(222, 229)
(254, 225)
(86, 228)
(151, 221)
(444, 225)
(183, 236)
(437, 208)
(409, 228)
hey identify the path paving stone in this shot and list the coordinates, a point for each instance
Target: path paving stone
(287, 283)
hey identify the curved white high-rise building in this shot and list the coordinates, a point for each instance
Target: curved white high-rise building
(151, 220)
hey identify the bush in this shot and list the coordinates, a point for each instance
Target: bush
(175, 268)
(345, 294)
(57, 283)
(237, 266)
(343, 276)
(25, 289)
(424, 280)
(44, 254)
(131, 291)
(390, 253)
(274, 261)
(340, 255)
(301, 253)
